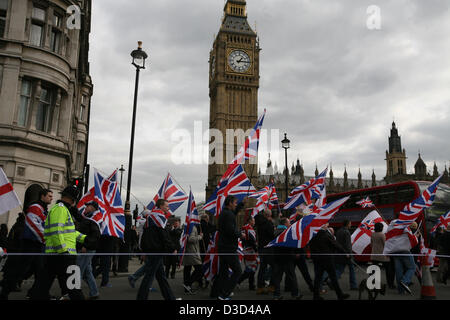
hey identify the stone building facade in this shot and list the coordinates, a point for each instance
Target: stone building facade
(45, 93)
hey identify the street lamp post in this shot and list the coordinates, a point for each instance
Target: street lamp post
(138, 61)
(121, 173)
(139, 57)
(285, 144)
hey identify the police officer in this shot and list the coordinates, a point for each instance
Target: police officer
(60, 246)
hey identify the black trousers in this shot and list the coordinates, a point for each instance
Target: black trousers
(56, 266)
(22, 267)
(322, 264)
(265, 261)
(170, 263)
(286, 267)
(226, 284)
(154, 269)
(196, 276)
(250, 275)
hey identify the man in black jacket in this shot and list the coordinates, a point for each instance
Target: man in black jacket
(284, 258)
(155, 239)
(322, 247)
(227, 248)
(265, 233)
(91, 229)
(344, 238)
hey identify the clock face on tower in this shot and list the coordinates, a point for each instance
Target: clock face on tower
(239, 61)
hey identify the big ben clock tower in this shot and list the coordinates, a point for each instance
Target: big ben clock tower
(233, 85)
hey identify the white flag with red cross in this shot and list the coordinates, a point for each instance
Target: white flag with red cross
(8, 198)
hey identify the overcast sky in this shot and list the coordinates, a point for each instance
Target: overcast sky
(327, 80)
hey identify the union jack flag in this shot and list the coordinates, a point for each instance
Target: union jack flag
(171, 192)
(362, 235)
(250, 148)
(413, 209)
(156, 217)
(313, 189)
(192, 219)
(96, 216)
(263, 197)
(301, 232)
(107, 196)
(443, 221)
(211, 262)
(236, 184)
(365, 203)
(273, 199)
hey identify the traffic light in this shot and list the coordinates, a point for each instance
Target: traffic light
(78, 182)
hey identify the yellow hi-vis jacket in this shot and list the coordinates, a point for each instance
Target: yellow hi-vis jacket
(59, 231)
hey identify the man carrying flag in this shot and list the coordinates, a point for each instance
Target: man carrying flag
(400, 238)
(156, 241)
(227, 249)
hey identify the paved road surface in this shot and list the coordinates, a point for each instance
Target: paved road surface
(121, 289)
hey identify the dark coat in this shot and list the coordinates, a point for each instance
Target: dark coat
(324, 243)
(208, 230)
(156, 240)
(282, 255)
(344, 238)
(92, 232)
(264, 230)
(175, 235)
(228, 232)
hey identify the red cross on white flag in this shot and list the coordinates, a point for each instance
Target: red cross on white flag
(8, 198)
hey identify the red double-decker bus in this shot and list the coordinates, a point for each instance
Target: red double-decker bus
(390, 200)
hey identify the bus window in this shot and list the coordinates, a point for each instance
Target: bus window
(405, 193)
(387, 196)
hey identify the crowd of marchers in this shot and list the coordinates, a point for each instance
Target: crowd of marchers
(46, 241)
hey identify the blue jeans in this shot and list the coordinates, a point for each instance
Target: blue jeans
(154, 268)
(139, 273)
(404, 270)
(340, 269)
(84, 262)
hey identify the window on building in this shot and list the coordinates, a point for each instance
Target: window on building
(37, 26)
(79, 156)
(25, 98)
(1, 76)
(44, 114)
(83, 107)
(3, 12)
(55, 38)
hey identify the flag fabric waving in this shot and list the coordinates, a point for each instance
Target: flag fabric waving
(362, 235)
(313, 189)
(89, 196)
(443, 221)
(247, 151)
(413, 209)
(211, 262)
(8, 197)
(171, 192)
(301, 232)
(263, 197)
(407, 216)
(192, 219)
(107, 196)
(365, 203)
(273, 198)
(250, 148)
(236, 184)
